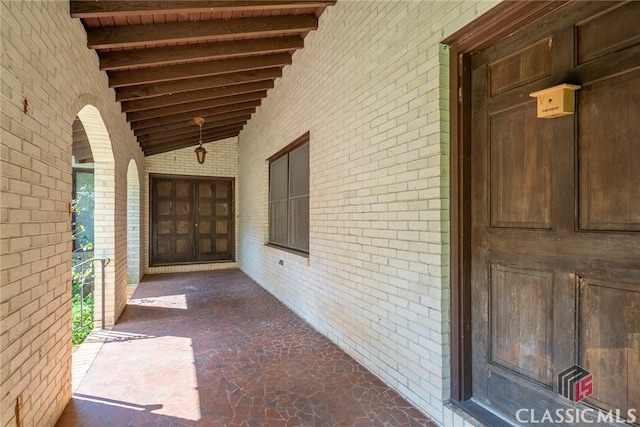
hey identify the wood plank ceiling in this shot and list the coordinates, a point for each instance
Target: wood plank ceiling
(172, 61)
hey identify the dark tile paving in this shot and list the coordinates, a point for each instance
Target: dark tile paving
(215, 349)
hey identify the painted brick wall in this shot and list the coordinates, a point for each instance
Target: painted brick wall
(371, 86)
(221, 161)
(44, 59)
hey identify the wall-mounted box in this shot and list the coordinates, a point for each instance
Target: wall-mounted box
(556, 101)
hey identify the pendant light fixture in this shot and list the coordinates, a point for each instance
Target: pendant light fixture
(201, 153)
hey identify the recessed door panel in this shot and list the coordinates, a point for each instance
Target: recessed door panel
(609, 341)
(520, 169)
(522, 321)
(609, 150)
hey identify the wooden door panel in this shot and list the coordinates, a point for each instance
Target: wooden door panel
(609, 341)
(191, 219)
(222, 208)
(183, 189)
(518, 69)
(204, 207)
(215, 199)
(520, 169)
(204, 227)
(521, 321)
(222, 226)
(163, 188)
(223, 191)
(171, 222)
(622, 27)
(609, 154)
(222, 244)
(164, 207)
(204, 245)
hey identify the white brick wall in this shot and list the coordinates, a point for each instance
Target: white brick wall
(221, 161)
(44, 59)
(134, 272)
(371, 86)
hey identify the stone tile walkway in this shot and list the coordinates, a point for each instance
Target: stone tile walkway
(215, 349)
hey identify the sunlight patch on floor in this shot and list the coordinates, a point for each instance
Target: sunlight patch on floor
(163, 301)
(163, 382)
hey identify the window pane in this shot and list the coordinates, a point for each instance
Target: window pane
(289, 198)
(299, 223)
(299, 171)
(278, 222)
(278, 179)
(84, 199)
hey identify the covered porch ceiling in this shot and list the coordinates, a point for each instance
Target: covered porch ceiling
(172, 61)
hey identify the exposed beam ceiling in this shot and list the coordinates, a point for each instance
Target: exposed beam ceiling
(172, 61)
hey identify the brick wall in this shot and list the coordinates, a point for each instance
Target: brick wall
(371, 86)
(221, 161)
(44, 59)
(133, 224)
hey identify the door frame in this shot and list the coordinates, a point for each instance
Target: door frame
(492, 27)
(196, 179)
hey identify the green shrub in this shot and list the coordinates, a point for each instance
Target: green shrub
(81, 314)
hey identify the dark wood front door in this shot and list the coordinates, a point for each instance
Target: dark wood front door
(555, 214)
(191, 220)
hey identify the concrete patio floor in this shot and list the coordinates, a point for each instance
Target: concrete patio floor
(215, 349)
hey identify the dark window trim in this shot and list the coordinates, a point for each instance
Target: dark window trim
(495, 25)
(297, 143)
(301, 140)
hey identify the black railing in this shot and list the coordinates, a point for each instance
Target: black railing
(83, 288)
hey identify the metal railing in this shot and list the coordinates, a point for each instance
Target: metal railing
(83, 275)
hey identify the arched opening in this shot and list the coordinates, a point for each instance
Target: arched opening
(133, 224)
(99, 144)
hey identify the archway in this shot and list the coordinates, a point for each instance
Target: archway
(104, 217)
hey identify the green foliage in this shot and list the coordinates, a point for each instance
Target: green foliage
(82, 317)
(82, 274)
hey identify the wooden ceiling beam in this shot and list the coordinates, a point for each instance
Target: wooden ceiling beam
(184, 144)
(176, 32)
(186, 123)
(133, 58)
(194, 106)
(176, 133)
(192, 96)
(196, 69)
(164, 88)
(199, 113)
(191, 136)
(101, 9)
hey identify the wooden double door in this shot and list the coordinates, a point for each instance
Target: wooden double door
(191, 219)
(555, 214)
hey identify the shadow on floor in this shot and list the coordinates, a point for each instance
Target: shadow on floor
(215, 349)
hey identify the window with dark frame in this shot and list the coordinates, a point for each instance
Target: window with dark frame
(289, 196)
